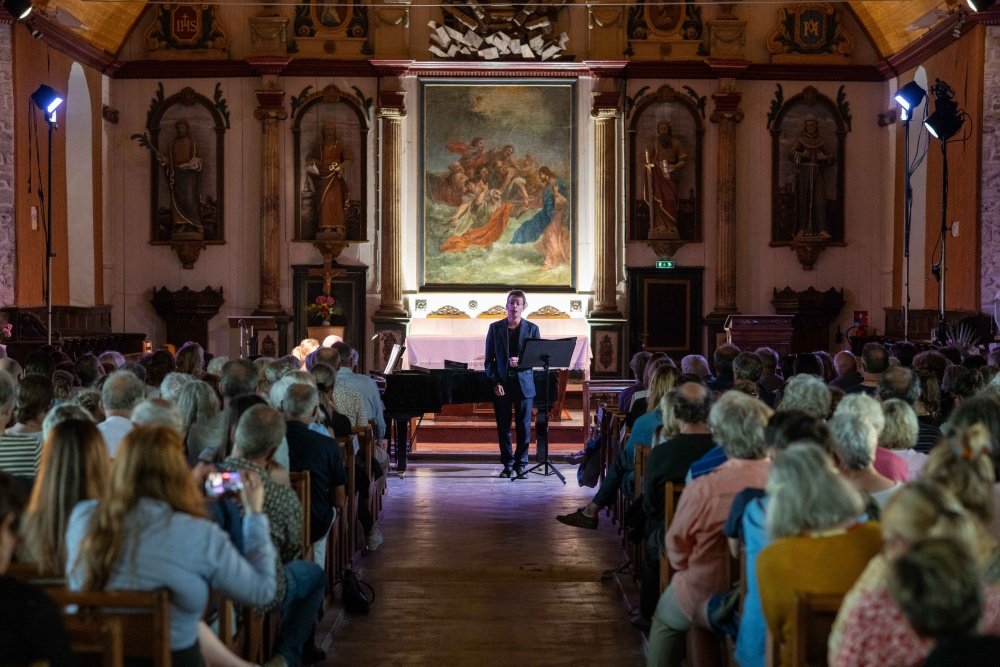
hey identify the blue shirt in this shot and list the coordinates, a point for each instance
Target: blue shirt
(715, 457)
(751, 640)
(187, 555)
(642, 432)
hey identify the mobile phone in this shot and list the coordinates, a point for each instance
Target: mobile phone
(223, 484)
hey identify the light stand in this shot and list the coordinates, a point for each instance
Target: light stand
(909, 97)
(48, 100)
(943, 124)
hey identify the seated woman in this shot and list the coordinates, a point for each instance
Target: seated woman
(820, 544)
(621, 473)
(854, 443)
(21, 444)
(962, 464)
(149, 531)
(31, 631)
(695, 544)
(869, 629)
(900, 435)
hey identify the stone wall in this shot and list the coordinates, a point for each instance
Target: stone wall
(7, 247)
(990, 216)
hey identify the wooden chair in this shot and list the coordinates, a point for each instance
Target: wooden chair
(812, 618)
(144, 617)
(642, 453)
(303, 489)
(671, 496)
(95, 641)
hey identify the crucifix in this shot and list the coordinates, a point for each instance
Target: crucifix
(327, 273)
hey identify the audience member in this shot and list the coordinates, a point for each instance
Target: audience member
(638, 367)
(158, 365)
(326, 378)
(696, 364)
(962, 465)
(874, 362)
(855, 441)
(172, 384)
(904, 351)
(13, 368)
(89, 370)
(158, 412)
(152, 509)
(932, 361)
(191, 359)
(122, 391)
(21, 444)
(769, 375)
(807, 393)
(887, 463)
(349, 378)
(723, 358)
(846, 366)
(900, 435)
(197, 404)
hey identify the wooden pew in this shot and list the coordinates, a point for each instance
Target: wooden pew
(671, 496)
(144, 617)
(302, 488)
(812, 618)
(95, 641)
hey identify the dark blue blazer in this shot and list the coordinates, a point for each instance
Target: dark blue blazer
(498, 355)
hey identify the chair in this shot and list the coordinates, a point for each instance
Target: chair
(671, 496)
(303, 489)
(95, 641)
(144, 617)
(813, 615)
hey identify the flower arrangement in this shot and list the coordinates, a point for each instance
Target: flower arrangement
(324, 307)
(6, 332)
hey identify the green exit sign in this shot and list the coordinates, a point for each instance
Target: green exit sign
(665, 264)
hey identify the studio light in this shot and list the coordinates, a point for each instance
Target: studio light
(19, 9)
(980, 5)
(48, 100)
(946, 120)
(910, 96)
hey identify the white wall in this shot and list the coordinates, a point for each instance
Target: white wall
(80, 189)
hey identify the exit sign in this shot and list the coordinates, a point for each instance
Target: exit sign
(665, 264)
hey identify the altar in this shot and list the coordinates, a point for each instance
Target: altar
(432, 340)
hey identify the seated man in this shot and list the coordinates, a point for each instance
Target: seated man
(121, 392)
(348, 378)
(320, 455)
(300, 585)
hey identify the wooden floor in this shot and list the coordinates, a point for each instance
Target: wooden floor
(475, 570)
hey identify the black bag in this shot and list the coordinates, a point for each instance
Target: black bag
(589, 472)
(353, 594)
(635, 522)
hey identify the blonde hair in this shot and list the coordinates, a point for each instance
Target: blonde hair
(74, 467)
(961, 463)
(150, 464)
(663, 379)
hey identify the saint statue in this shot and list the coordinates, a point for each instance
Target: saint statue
(664, 159)
(327, 172)
(812, 159)
(183, 171)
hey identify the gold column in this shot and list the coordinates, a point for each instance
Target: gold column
(727, 114)
(605, 114)
(391, 112)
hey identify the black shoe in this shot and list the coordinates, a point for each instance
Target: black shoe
(518, 471)
(506, 471)
(578, 520)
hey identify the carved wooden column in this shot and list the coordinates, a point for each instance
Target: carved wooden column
(605, 113)
(391, 318)
(727, 115)
(270, 112)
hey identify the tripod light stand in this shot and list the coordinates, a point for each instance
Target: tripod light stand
(909, 97)
(48, 100)
(943, 124)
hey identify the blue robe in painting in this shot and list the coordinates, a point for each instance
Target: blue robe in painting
(532, 228)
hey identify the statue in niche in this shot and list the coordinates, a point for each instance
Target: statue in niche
(183, 170)
(812, 158)
(327, 174)
(664, 159)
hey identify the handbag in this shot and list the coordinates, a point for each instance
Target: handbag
(589, 472)
(353, 594)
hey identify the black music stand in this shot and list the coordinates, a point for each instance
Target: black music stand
(544, 354)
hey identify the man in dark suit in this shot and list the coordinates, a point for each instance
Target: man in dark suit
(512, 388)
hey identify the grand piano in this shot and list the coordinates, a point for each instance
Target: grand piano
(420, 390)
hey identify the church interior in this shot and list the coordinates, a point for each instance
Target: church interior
(659, 177)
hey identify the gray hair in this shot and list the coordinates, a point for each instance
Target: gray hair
(8, 389)
(172, 384)
(737, 421)
(259, 430)
(863, 406)
(238, 377)
(278, 390)
(696, 365)
(158, 412)
(300, 400)
(197, 402)
(113, 357)
(64, 412)
(807, 393)
(807, 493)
(899, 382)
(122, 390)
(901, 426)
(215, 365)
(854, 441)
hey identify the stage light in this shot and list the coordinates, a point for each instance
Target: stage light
(980, 5)
(48, 100)
(910, 96)
(946, 120)
(19, 9)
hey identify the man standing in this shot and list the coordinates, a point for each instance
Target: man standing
(512, 388)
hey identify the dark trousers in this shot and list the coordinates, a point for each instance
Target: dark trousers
(502, 406)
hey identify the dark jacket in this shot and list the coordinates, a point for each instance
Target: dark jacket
(498, 355)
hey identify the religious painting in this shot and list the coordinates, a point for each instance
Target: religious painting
(808, 136)
(665, 145)
(498, 185)
(185, 140)
(331, 155)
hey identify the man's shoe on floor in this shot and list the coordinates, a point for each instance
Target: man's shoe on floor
(578, 519)
(518, 471)
(374, 539)
(506, 471)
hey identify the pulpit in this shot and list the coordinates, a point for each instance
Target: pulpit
(748, 332)
(187, 313)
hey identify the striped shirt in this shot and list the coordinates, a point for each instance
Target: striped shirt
(19, 453)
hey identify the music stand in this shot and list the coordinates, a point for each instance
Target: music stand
(544, 354)
(249, 326)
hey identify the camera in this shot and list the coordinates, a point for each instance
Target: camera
(223, 484)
